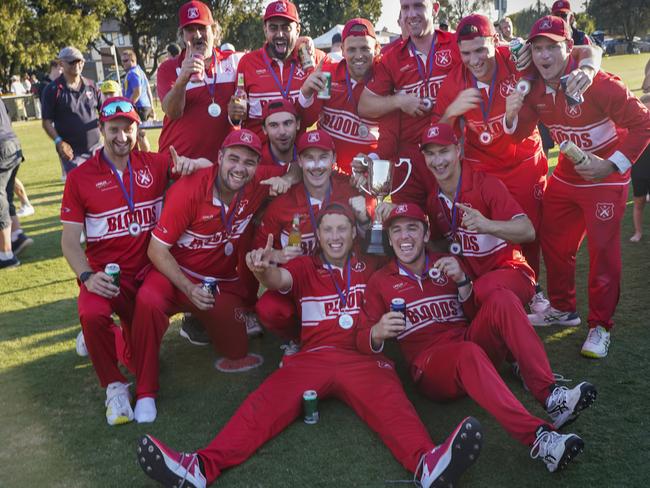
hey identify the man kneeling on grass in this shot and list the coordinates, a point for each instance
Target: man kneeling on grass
(328, 287)
(115, 197)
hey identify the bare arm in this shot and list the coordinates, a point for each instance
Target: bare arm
(270, 276)
(374, 106)
(174, 103)
(136, 94)
(517, 230)
(63, 148)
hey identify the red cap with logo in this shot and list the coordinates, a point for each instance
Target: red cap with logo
(561, 6)
(441, 134)
(406, 211)
(316, 138)
(194, 12)
(279, 105)
(282, 8)
(336, 208)
(362, 27)
(115, 107)
(245, 138)
(552, 27)
(474, 26)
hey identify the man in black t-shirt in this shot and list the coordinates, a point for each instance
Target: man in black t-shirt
(640, 185)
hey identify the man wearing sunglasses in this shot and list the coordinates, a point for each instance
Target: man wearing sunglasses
(70, 105)
(116, 197)
(562, 9)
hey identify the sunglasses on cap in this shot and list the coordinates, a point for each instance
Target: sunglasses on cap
(115, 107)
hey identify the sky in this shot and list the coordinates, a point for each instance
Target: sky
(391, 10)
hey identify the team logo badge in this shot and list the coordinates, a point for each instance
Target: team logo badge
(240, 315)
(604, 211)
(443, 58)
(546, 24)
(401, 208)
(359, 267)
(507, 86)
(433, 131)
(89, 94)
(538, 191)
(313, 137)
(246, 137)
(192, 13)
(384, 365)
(438, 278)
(573, 111)
(280, 7)
(144, 178)
(242, 207)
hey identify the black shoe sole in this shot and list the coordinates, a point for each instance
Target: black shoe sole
(588, 395)
(152, 462)
(573, 446)
(465, 450)
(28, 241)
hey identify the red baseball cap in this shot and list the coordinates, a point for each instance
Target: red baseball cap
(279, 105)
(115, 107)
(474, 26)
(316, 138)
(243, 137)
(561, 6)
(552, 27)
(406, 211)
(336, 208)
(368, 29)
(194, 12)
(282, 8)
(441, 134)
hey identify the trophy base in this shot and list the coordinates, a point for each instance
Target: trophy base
(376, 245)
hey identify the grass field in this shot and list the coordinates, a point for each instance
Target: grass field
(53, 431)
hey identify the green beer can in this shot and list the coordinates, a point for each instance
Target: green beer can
(310, 406)
(113, 270)
(325, 93)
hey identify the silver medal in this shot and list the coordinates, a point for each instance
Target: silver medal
(434, 273)
(363, 131)
(428, 103)
(346, 321)
(214, 109)
(135, 229)
(523, 87)
(228, 248)
(485, 137)
(455, 249)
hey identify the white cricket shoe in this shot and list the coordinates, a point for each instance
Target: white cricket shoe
(253, 325)
(564, 405)
(539, 303)
(118, 404)
(596, 345)
(145, 410)
(168, 467)
(553, 316)
(556, 450)
(25, 211)
(80, 345)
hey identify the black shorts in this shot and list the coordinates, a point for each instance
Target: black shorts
(145, 113)
(641, 175)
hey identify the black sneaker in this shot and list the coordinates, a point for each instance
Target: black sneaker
(21, 243)
(9, 263)
(194, 331)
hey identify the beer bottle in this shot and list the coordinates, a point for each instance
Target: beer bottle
(295, 237)
(241, 98)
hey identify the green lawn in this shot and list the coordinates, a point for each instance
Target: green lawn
(53, 430)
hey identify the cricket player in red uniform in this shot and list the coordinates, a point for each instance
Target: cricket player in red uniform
(320, 185)
(613, 127)
(280, 126)
(196, 86)
(407, 80)
(339, 114)
(329, 289)
(115, 197)
(452, 349)
(197, 238)
(273, 71)
(475, 93)
(479, 219)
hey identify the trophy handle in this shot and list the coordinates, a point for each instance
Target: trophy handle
(362, 161)
(408, 173)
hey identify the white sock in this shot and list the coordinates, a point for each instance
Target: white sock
(15, 234)
(145, 410)
(6, 255)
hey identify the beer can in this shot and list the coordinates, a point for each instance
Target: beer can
(325, 93)
(515, 46)
(306, 60)
(197, 77)
(310, 406)
(113, 270)
(573, 152)
(210, 285)
(398, 305)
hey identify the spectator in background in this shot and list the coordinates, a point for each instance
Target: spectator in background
(506, 29)
(173, 50)
(55, 71)
(640, 185)
(70, 112)
(27, 84)
(111, 88)
(645, 86)
(136, 88)
(336, 53)
(444, 25)
(26, 208)
(562, 9)
(17, 87)
(226, 47)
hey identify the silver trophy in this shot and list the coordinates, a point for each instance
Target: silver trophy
(380, 183)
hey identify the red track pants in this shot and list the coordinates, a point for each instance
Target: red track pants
(278, 313)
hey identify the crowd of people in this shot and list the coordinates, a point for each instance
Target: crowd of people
(269, 172)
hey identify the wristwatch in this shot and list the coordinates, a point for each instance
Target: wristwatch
(465, 282)
(83, 277)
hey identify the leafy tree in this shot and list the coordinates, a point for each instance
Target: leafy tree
(585, 22)
(454, 10)
(627, 17)
(33, 31)
(524, 19)
(318, 16)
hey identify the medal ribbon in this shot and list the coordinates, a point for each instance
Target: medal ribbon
(227, 222)
(432, 54)
(343, 297)
(127, 196)
(312, 217)
(277, 161)
(454, 210)
(486, 111)
(283, 91)
(212, 87)
(413, 276)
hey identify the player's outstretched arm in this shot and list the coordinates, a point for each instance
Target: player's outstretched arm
(260, 262)
(517, 230)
